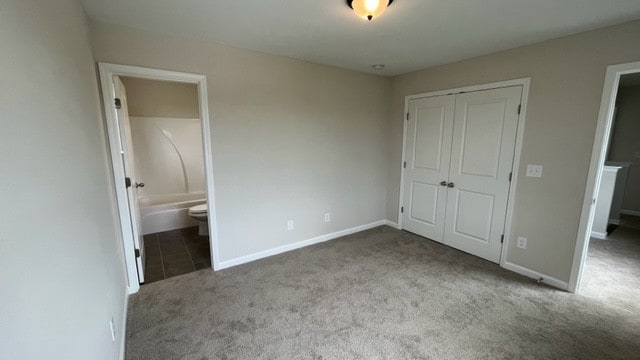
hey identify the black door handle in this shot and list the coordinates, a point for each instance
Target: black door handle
(451, 185)
(444, 183)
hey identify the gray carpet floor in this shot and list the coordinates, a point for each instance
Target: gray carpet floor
(612, 270)
(379, 294)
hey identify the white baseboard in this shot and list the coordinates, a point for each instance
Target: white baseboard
(327, 237)
(599, 235)
(123, 326)
(630, 212)
(392, 224)
(562, 285)
(297, 245)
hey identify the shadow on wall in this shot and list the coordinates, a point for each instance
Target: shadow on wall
(168, 157)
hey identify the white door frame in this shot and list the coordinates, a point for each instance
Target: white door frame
(107, 72)
(525, 83)
(600, 144)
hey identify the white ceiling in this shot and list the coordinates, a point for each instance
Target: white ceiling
(411, 35)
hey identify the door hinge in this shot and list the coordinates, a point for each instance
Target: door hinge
(404, 165)
(402, 210)
(137, 253)
(117, 103)
(502, 239)
(127, 182)
(510, 177)
(407, 116)
(519, 109)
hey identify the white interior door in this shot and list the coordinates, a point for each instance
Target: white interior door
(126, 147)
(427, 155)
(482, 154)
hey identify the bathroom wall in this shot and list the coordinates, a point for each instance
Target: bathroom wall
(161, 98)
(625, 143)
(167, 138)
(62, 275)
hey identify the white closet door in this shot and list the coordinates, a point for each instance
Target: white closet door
(427, 155)
(483, 148)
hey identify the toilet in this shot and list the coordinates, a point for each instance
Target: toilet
(199, 212)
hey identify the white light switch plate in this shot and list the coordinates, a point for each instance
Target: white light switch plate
(534, 171)
(290, 225)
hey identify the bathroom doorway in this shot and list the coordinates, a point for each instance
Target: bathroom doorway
(607, 259)
(612, 268)
(159, 138)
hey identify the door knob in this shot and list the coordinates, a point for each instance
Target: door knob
(451, 185)
(444, 183)
(139, 185)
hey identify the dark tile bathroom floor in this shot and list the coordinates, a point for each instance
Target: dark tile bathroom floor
(174, 253)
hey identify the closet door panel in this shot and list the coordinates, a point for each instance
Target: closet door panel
(428, 153)
(482, 155)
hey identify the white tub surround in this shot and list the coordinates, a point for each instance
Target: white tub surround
(168, 155)
(169, 212)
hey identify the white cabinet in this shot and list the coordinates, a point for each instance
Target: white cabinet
(618, 192)
(604, 201)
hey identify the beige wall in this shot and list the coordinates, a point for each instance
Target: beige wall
(61, 270)
(567, 77)
(291, 139)
(161, 98)
(625, 143)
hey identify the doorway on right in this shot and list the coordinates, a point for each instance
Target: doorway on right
(612, 267)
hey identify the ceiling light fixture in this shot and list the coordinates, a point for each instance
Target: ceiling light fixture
(369, 9)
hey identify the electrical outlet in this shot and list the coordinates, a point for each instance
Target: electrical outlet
(522, 242)
(534, 171)
(290, 225)
(637, 154)
(327, 217)
(112, 327)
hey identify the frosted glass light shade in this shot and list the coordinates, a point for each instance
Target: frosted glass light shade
(369, 9)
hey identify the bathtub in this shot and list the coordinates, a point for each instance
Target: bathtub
(168, 212)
